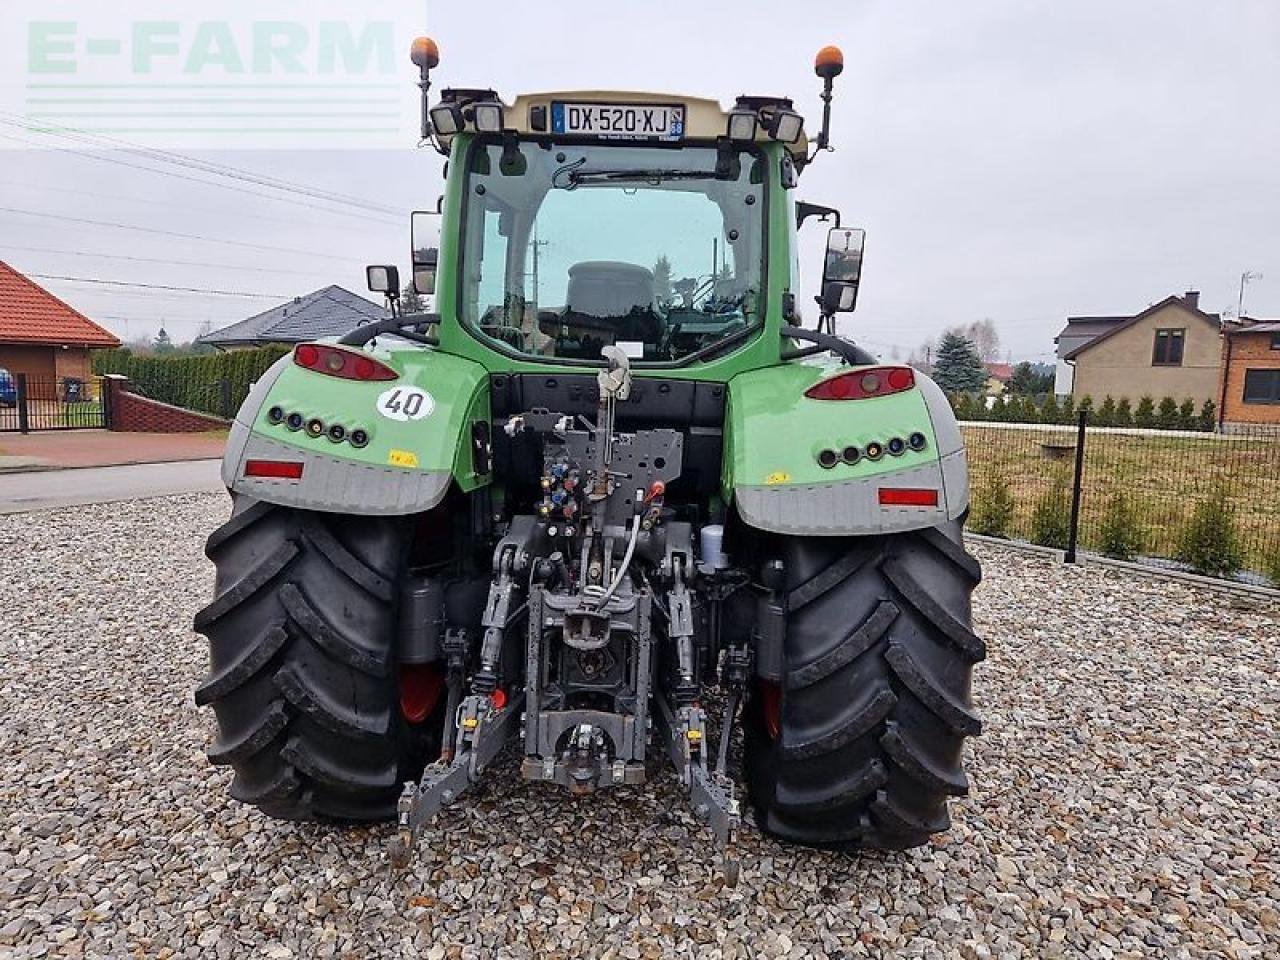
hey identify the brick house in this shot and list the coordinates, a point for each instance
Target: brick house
(1171, 349)
(44, 338)
(1249, 381)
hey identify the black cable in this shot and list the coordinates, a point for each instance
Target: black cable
(171, 233)
(157, 286)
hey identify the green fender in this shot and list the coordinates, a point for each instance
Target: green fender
(774, 434)
(407, 464)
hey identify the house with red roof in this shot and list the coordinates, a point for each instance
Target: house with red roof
(42, 337)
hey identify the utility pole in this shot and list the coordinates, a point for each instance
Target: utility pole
(536, 243)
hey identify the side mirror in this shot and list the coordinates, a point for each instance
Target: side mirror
(426, 251)
(384, 280)
(842, 269)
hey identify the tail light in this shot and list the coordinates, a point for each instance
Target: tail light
(860, 384)
(346, 364)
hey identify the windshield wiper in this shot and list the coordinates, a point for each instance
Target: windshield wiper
(654, 177)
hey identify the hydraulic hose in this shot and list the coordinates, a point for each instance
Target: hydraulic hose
(626, 562)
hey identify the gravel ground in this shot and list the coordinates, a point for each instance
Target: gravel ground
(1126, 795)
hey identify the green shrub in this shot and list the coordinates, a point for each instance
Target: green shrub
(1069, 409)
(1145, 415)
(1187, 419)
(1208, 417)
(1167, 414)
(1210, 542)
(1106, 415)
(1051, 516)
(1121, 532)
(1124, 413)
(1049, 412)
(993, 507)
(1086, 407)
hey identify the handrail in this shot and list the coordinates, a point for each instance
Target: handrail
(407, 327)
(846, 349)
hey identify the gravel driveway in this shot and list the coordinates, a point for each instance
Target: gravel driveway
(1126, 795)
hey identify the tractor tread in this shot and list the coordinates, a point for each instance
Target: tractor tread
(891, 815)
(310, 698)
(954, 552)
(855, 786)
(917, 765)
(249, 584)
(356, 570)
(853, 645)
(316, 627)
(259, 734)
(825, 581)
(241, 521)
(929, 692)
(282, 785)
(964, 639)
(251, 660)
(298, 753)
(847, 727)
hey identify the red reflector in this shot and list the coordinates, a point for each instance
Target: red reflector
(273, 469)
(421, 686)
(908, 497)
(860, 384)
(498, 698)
(346, 364)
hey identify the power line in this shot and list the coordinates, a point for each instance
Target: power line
(191, 163)
(172, 206)
(171, 233)
(168, 262)
(157, 286)
(207, 183)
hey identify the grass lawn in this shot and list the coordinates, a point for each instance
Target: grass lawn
(1164, 475)
(80, 414)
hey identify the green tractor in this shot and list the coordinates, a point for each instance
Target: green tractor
(611, 497)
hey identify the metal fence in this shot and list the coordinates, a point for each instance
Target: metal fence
(1188, 500)
(30, 403)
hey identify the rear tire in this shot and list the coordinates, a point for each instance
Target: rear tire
(302, 674)
(860, 744)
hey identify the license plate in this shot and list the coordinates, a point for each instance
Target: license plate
(619, 121)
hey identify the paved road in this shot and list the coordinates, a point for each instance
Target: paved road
(20, 492)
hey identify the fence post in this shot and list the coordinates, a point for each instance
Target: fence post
(1076, 485)
(224, 396)
(24, 413)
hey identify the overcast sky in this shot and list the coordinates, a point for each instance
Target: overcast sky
(1022, 161)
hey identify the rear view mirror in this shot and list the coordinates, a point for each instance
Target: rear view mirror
(426, 251)
(842, 269)
(383, 280)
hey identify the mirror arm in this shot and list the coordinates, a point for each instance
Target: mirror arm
(805, 210)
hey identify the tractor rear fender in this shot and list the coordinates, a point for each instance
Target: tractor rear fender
(421, 431)
(776, 440)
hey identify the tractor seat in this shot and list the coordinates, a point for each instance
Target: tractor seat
(615, 291)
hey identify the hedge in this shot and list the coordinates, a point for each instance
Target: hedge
(1165, 414)
(192, 382)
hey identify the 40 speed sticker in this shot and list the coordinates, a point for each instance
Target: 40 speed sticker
(405, 403)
